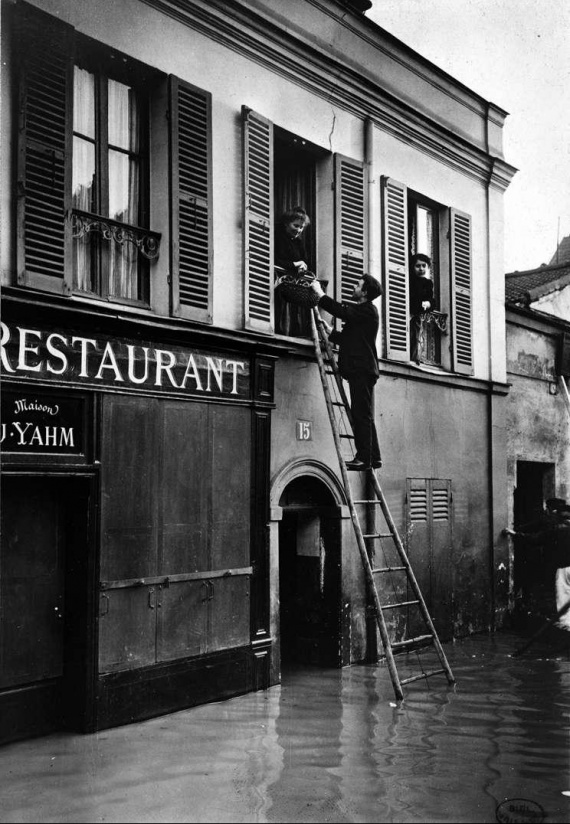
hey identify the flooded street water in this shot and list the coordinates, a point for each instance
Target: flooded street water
(326, 746)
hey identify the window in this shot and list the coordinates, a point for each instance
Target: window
(109, 193)
(293, 185)
(413, 223)
(423, 234)
(114, 160)
(279, 167)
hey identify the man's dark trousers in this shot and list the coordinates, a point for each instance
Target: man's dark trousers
(362, 407)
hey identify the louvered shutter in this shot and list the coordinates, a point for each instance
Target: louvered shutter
(191, 201)
(258, 220)
(350, 224)
(396, 270)
(43, 48)
(461, 292)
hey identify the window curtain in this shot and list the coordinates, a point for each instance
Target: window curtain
(83, 185)
(124, 185)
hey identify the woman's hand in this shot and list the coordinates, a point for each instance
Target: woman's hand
(300, 265)
(426, 305)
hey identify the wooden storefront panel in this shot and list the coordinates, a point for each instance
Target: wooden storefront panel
(231, 487)
(229, 613)
(127, 628)
(186, 592)
(183, 620)
(129, 483)
(184, 488)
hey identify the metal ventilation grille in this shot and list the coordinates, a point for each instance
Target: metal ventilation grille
(440, 505)
(418, 505)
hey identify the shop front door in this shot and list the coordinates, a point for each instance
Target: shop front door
(40, 521)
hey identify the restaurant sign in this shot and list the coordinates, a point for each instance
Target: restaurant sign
(120, 363)
(41, 423)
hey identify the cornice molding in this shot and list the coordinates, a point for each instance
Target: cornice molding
(437, 77)
(246, 32)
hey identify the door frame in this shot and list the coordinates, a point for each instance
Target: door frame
(294, 469)
(35, 709)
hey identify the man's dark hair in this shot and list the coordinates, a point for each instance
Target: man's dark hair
(373, 288)
(420, 256)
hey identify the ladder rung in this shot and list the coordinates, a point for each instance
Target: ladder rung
(379, 535)
(337, 403)
(421, 640)
(423, 675)
(371, 535)
(389, 569)
(347, 436)
(403, 604)
(373, 501)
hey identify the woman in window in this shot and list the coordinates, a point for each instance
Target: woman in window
(421, 301)
(290, 258)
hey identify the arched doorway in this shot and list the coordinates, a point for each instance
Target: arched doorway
(309, 574)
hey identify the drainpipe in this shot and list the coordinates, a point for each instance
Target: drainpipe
(371, 193)
(490, 447)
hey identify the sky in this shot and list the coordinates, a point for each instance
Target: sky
(516, 54)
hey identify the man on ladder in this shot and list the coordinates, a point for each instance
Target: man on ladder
(358, 362)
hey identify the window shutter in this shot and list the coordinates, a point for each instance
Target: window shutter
(461, 292)
(258, 221)
(350, 224)
(43, 46)
(191, 201)
(396, 286)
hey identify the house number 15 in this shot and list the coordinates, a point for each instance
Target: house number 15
(304, 430)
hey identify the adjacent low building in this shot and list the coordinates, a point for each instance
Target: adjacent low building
(538, 365)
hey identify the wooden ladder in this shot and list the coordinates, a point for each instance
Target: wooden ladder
(341, 423)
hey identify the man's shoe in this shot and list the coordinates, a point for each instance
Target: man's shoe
(356, 465)
(376, 464)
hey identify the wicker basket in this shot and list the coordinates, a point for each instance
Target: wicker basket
(297, 289)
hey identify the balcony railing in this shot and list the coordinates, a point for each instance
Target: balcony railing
(147, 242)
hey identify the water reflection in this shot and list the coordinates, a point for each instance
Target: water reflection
(443, 754)
(326, 746)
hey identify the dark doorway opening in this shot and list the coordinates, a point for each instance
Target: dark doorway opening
(43, 605)
(533, 573)
(309, 575)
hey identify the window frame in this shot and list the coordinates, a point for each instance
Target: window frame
(455, 281)
(103, 64)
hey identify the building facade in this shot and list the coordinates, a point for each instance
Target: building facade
(174, 521)
(538, 412)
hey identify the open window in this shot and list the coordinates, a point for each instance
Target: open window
(105, 177)
(413, 223)
(294, 182)
(112, 244)
(283, 170)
